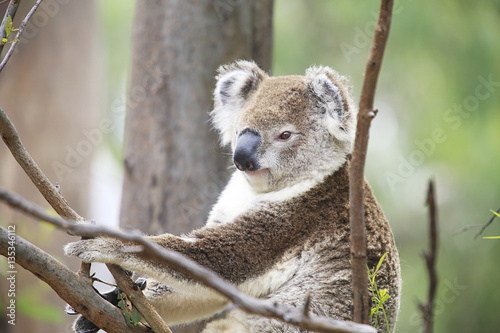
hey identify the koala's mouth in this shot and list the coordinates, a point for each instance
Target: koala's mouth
(258, 179)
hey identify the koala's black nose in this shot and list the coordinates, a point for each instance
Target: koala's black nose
(245, 154)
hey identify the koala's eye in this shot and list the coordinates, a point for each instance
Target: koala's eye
(285, 135)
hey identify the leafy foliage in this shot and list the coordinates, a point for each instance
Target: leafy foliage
(8, 30)
(129, 311)
(379, 296)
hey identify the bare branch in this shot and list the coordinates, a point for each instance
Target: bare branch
(430, 260)
(361, 298)
(482, 227)
(486, 224)
(142, 305)
(71, 287)
(19, 33)
(43, 184)
(11, 11)
(190, 268)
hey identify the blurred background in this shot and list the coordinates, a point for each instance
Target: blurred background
(439, 118)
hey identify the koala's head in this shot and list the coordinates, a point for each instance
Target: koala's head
(287, 129)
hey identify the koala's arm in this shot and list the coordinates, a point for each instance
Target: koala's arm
(237, 251)
(177, 299)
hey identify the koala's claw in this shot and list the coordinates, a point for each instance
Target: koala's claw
(140, 284)
(89, 250)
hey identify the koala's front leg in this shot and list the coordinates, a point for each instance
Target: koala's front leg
(109, 250)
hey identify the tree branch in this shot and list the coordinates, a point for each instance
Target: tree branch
(19, 33)
(42, 183)
(11, 11)
(361, 297)
(430, 261)
(174, 260)
(71, 287)
(140, 301)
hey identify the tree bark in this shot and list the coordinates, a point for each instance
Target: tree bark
(174, 168)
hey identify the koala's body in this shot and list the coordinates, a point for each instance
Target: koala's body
(280, 228)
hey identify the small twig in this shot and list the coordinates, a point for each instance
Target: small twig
(467, 228)
(487, 224)
(11, 11)
(481, 226)
(361, 296)
(19, 33)
(197, 272)
(140, 302)
(430, 260)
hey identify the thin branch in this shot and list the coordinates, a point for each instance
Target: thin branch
(21, 28)
(174, 260)
(139, 300)
(361, 297)
(430, 260)
(65, 283)
(42, 183)
(467, 228)
(482, 227)
(19, 33)
(486, 225)
(11, 11)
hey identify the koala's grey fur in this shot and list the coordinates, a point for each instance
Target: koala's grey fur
(282, 229)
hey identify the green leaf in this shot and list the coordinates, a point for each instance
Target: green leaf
(121, 304)
(8, 26)
(136, 317)
(380, 262)
(127, 317)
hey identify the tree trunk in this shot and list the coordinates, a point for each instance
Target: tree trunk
(50, 91)
(174, 169)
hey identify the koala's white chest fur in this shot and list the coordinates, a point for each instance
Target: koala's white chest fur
(239, 196)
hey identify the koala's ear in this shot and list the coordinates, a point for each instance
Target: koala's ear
(333, 99)
(235, 83)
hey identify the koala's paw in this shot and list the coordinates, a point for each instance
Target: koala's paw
(91, 250)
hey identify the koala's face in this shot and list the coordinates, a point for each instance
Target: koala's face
(283, 130)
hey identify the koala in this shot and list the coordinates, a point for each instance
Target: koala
(280, 228)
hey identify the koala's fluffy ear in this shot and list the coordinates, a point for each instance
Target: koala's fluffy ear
(332, 92)
(235, 83)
